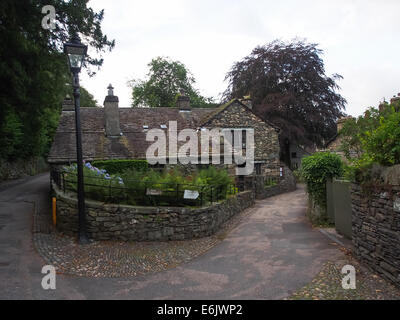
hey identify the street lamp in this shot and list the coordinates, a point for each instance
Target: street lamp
(76, 52)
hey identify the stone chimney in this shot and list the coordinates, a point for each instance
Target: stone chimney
(341, 122)
(246, 100)
(111, 114)
(68, 104)
(183, 102)
(395, 99)
(382, 105)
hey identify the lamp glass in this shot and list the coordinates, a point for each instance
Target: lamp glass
(75, 60)
(76, 52)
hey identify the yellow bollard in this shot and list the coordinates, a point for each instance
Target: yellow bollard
(54, 211)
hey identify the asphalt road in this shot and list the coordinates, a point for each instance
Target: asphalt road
(268, 256)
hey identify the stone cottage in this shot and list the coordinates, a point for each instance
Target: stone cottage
(334, 144)
(297, 153)
(120, 133)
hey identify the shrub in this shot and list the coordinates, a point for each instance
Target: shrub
(132, 184)
(119, 166)
(215, 183)
(297, 176)
(99, 185)
(316, 169)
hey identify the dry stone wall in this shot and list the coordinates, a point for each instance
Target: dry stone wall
(376, 229)
(287, 184)
(129, 223)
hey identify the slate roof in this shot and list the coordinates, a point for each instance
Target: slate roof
(132, 144)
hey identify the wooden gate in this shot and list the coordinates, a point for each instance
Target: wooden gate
(339, 205)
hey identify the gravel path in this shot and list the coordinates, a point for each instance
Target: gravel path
(327, 284)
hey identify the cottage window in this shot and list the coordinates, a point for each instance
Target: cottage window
(244, 139)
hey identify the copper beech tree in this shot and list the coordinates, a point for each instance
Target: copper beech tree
(289, 87)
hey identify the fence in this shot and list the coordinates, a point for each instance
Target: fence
(147, 194)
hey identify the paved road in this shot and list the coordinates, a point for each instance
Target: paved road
(20, 265)
(268, 256)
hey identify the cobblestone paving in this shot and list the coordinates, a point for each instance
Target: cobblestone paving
(116, 259)
(327, 285)
(122, 259)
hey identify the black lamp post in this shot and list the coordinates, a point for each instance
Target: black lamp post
(76, 52)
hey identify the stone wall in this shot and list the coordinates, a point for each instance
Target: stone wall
(287, 184)
(21, 168)
(376, 229)
(129, 223)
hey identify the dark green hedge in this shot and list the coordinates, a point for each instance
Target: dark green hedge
(316, 169)
(118, 166)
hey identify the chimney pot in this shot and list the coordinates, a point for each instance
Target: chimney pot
(111, 114)
(395, 99)
(183, 102)
(110, 90)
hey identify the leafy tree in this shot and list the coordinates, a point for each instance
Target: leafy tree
(354, 130)
(288, 86)
(356, 134)
(87, 100)
(34, 72)
(165, 79)
(375, 137)
(382, 145)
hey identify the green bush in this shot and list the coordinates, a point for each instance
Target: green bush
(297, 175)
(119, 166)
(215, 183)
(132, 184)
(316, 169)
(99, 185)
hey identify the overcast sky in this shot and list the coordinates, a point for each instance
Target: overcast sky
(360, 39)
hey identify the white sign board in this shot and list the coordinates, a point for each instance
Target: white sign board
(153, 192)
(191, 194)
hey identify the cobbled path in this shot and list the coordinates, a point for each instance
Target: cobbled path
(110, 259)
